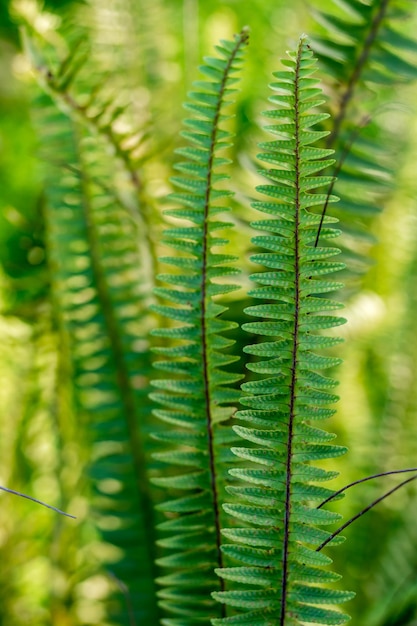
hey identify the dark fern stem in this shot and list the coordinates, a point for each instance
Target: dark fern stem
(337, 169)
(294, 368)
(375, 23)
(48, 506)
(363, 480)
(365, 510)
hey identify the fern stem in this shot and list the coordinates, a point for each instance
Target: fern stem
(356, 73)
(287, 505)
(363, 480)
(363, 511)
(204, 301)
(275, 552)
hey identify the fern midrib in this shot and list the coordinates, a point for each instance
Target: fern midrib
(204, 303)
(357, 70)
(287, 506)
(122, 374)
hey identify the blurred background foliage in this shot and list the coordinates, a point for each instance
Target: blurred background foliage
(68, 373)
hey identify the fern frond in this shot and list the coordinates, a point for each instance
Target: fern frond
(97, 280)
(362, 46)
(81, 87)
(365, 44)
(199, 397)
(279, 510)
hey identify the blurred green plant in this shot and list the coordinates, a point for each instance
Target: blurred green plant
(82, 242)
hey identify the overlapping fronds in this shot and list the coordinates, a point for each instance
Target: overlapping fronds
(198, 396)
(97, 289)
(282, 576)
(365, 53)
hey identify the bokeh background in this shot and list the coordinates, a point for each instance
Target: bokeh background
(55, 571)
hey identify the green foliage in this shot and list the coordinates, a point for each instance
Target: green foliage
(95, 281)
(231, 531)
(364, 51)
(100, 293)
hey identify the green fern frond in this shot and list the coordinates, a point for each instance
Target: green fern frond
(281, 570)
(97, 287)
(362, 47)
(199, 397)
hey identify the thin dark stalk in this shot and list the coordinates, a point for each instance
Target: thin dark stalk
(365, 510)
(288, 474)
(203, 303)
(48, 506)
(363, 480)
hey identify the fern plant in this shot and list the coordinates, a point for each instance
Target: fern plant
(95, 299)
